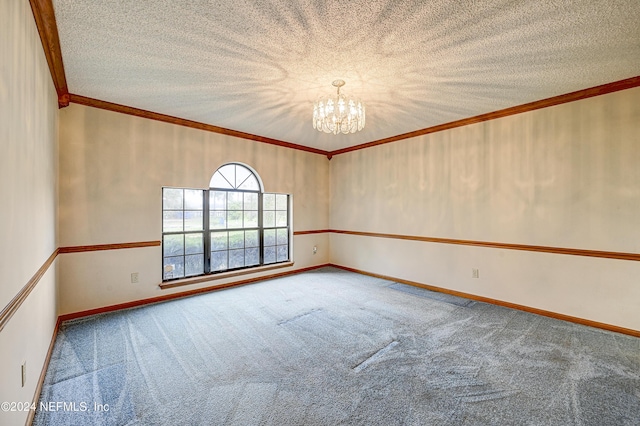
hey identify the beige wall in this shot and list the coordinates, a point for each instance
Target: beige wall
(28, 137)
(565, 176)
(112, 170)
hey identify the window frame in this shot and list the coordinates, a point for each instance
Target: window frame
(207, 230)
(210, 230)
(183, 232)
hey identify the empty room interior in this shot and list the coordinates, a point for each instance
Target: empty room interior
(308, 212)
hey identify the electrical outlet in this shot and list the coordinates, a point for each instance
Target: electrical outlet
(134, 278)
(23, 371)
(315, 249)
(475, 273)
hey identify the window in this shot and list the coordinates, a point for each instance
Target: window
(231, 225)
(276, 232)
(183, 232)
(234, 218)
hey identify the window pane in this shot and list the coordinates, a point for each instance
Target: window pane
(282, 236)
(236, 239)
(234, 176)
(218, 220)
(194, 264)
(229, 173)
(281, 218)
(250, 201)
(281, 202)
(269, 201)
(236, 258)
(252, 256)
(173, 245)
(269, 254)
(283, 253)
(251, 219)
(219, 260)
(173, 267)
(218, 181)
(193, 199)
(268, 219)
(251, 239)
(242, 173)
(193, 220)
(234, 200)
(193, 244)
(171, 221)
(251, 184)
(217, 200)
(269, 237)
(235, 219)
(218, 241)
(171, 199)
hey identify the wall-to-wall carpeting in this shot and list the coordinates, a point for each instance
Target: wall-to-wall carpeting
(333, 347)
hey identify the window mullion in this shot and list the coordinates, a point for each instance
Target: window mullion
(260, 228)
(241, 219)
(289, 236)
(228, 250)
(206, 232)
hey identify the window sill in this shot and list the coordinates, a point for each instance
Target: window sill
(222, 275)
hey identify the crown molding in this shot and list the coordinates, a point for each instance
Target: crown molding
(45, 18)
(109, 106)
(603, 89)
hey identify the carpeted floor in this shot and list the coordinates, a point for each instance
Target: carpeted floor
(332, 347)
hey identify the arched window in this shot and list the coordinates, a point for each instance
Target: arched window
(232, 225)
(236, 176)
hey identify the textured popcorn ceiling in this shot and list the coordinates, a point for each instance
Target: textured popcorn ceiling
(258, 66)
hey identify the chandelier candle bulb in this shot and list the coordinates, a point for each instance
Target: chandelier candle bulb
(339, 114)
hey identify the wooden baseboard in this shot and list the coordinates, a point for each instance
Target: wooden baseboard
(542, 312)
(43, 373)
(142, 302)
(137, 303)
(76, 315)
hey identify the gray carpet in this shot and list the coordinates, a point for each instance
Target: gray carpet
(332, 347)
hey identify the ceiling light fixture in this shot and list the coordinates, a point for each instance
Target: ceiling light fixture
(338, 114)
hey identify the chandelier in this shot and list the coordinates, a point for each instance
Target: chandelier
(339, 113)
